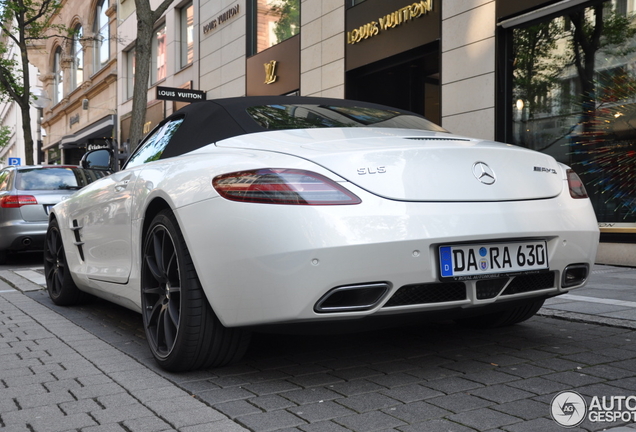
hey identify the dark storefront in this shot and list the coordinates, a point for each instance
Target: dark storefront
(567, 87)
(155, 113)
(392, 55)
(72, 147)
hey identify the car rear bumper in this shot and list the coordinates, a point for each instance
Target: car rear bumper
(21, 235)
(263, 264)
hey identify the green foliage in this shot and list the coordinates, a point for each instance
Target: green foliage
(288, 24)
(5, 135)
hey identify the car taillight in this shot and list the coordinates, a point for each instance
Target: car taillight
(282, 186)
(577, 189)
(15, 201)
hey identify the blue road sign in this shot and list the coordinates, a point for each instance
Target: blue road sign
(14, 161)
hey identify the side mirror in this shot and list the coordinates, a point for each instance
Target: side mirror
(100, 159)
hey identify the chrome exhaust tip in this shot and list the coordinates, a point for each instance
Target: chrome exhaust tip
(575, 274)
(351, 298)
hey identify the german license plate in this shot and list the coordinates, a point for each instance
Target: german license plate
(487, 260)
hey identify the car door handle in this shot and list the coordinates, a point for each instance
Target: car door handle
(121, 185)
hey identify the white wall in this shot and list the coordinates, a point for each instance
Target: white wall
(322, 64)
(468, 67)
(222, 51)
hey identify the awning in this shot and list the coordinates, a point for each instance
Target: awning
(99, 129)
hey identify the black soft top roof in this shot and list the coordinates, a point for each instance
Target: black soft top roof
(211, 121)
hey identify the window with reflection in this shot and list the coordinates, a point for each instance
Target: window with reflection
(152, 148)
(187, 35)
(101, 53)
(574, 97)
(304, 116)
(58, 76)
(158, 69)
(351, 3)
(77, 54)
(274, 22)
(130, 72)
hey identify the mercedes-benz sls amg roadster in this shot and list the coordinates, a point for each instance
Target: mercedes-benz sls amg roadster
(245, 212)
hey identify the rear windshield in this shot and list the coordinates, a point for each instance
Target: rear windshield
(277, 117)
(56, 178)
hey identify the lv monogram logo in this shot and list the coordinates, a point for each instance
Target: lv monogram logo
(270, 72)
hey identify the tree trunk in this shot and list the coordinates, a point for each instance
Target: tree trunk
(142, 75)
(146, 19)
(24, 99)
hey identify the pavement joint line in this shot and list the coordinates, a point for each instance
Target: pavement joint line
(587, 318)
(612, 269)
(614, 302)
(8, 291)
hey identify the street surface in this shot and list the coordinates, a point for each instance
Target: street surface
(88, 369)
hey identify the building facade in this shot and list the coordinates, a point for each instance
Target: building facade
(79, 76)
(531, 73)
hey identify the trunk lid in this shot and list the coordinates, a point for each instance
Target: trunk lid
(413, 165)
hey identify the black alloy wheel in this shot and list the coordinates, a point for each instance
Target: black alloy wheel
(59, 281)
(161, 291)
(182, 330)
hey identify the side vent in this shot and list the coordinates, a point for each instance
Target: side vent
(78, 241)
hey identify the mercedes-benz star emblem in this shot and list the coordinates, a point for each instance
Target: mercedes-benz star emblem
(484, 173)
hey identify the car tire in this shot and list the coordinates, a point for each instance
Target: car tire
(59, 282)
(506, 317)
(3, 256)
(182, 330)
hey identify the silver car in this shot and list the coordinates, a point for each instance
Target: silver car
(27, 193)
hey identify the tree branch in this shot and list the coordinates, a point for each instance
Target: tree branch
(156, 14)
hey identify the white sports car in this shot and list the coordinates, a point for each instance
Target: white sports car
(239, 213)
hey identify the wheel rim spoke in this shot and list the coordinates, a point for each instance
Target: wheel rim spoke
(158, 248)
(153, 291)
(154, 269)
(173, 311)
(169, 330)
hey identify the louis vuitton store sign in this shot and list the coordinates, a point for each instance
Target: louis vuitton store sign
(389, 21)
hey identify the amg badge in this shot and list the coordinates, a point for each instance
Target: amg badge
(545, 170)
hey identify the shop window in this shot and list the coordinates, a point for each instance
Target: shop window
(130, 72)
(77, 54)
(58, 76)
(101, 53)
(187, 35)
(351, 3)
(273, 21)
(573, 95)
(158, 68)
